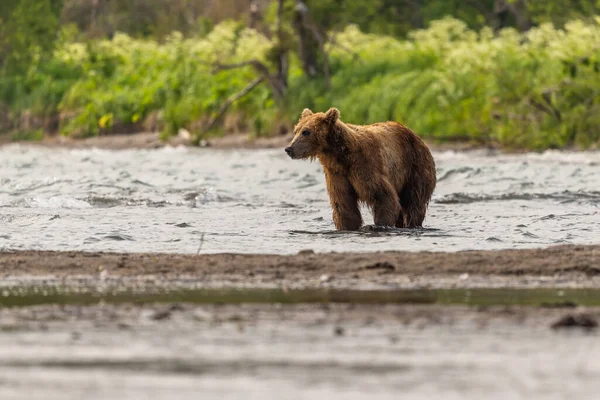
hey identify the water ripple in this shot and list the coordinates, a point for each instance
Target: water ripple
(563, 197)
(261, 201)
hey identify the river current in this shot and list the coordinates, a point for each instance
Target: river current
(184, 200)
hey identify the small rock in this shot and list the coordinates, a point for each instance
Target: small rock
(325, 278)
(190, 196)
(381, 265)
(184, 134)
(339, 331)
(463, 277)
(575, 321)
(160, 315)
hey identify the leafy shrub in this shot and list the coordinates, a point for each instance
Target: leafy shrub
(536, 90)
(540, 89)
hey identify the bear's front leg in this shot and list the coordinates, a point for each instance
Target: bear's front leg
(344, 201)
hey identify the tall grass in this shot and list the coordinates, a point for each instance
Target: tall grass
(535, 90)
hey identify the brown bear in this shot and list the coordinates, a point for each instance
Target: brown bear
(384, 165)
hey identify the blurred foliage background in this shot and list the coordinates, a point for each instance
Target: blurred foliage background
(520, 73)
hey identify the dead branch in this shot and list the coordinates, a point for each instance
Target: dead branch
(547, 106)
(333, 41)
(275, 83)
(541, 107)
(277, 80)
(548, 99)
(257, 65)
(229, 102)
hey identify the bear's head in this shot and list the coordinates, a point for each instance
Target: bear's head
(310, 133)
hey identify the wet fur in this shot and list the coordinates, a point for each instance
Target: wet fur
(384, 165)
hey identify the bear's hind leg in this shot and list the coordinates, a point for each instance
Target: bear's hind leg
(400, 219)
(413, 211)
(414, 217)
(386, 206)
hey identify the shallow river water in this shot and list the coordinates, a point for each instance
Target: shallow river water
(72, 346)
(260, 201)
(257, 352)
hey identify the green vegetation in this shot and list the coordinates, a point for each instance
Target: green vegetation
(536, 89)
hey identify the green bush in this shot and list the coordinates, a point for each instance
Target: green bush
(28, 136)
(540, 89)
(535, 90)
(124, 81)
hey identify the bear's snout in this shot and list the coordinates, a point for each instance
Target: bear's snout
(289, 151)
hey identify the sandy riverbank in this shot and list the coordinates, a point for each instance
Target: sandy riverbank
(559, 266)
(108, 348)
(151, 140)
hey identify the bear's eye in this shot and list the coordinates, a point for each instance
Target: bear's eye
(306, 132)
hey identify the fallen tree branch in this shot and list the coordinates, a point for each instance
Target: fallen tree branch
(333, 41)
(276, 84)
(257, 65)
(232, 100)
(547, 106)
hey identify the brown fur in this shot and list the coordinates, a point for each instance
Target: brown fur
(384, 165)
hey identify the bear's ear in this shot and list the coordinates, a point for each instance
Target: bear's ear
(332, 115)
(305, 113)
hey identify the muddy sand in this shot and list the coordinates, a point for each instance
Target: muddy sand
(295, 352)
(136, 347)
(558, 266)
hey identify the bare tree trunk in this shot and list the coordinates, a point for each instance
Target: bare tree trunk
(307, 45)
(311, 42)
(518, 9)
(255, 16)
(282, 57)
(94, 14)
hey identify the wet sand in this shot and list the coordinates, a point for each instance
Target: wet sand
(557, 266)
(146, 349)
(298, 352)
